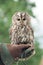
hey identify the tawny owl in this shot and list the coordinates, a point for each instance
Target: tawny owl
(21, 30)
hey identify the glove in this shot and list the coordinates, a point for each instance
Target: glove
(20, 51)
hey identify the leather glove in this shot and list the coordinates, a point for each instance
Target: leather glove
(16, 50)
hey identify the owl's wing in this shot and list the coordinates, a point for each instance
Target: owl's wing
(31, 35)
(10, 33)
(13, 35)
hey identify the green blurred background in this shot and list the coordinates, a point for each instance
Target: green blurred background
(7, 9)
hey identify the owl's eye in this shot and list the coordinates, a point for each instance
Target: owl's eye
(24, 19)
(18, 19)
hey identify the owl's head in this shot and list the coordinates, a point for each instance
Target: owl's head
(21, 18)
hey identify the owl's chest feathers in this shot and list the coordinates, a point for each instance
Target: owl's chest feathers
(22, 30)
(21, 34)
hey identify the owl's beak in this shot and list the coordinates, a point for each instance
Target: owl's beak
(22, 23)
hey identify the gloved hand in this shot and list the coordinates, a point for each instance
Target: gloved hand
(16, 50)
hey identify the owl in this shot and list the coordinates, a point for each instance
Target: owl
(21, 31)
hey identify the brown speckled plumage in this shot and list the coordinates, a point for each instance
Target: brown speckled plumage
(21, 30)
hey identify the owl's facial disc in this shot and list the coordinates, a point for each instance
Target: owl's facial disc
(21, 16)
